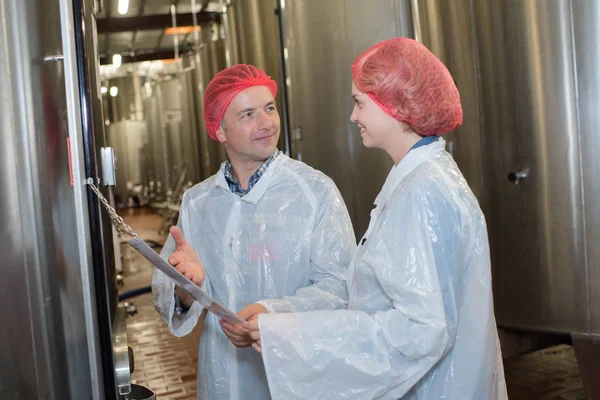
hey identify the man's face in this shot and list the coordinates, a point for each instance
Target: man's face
(252, 125)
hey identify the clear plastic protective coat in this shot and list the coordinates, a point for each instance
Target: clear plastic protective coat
(420, 321)
(288, 242)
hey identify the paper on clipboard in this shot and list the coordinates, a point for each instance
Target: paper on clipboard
(201, 297)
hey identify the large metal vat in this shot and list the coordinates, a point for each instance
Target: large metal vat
(532, 162)
(57, 271)
(446, 29)
(178, 149)
(586, 37)
(43, 335)
(528, 83)
(529, 125)
(127, 138)
(321, 41)
(60, 337)
(252, 36)
(127, 103)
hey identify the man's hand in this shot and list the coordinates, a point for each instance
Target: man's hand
(252, 311)
(185, 259)
(237, 334)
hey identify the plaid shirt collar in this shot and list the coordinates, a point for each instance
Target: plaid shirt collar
(235, 187)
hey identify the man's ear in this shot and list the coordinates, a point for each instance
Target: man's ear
(220, 134)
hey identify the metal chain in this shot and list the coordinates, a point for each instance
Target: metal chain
(116, 220)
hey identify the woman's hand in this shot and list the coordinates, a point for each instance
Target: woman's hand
(251, 327)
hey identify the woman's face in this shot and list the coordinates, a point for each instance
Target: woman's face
(376, 127)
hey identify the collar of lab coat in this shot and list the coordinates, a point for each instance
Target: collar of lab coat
(259, 189)
(411, 161)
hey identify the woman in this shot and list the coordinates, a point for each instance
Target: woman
(420, 321)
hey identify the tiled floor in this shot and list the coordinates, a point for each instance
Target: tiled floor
(167, 364)
(163, 362)
(549, 374)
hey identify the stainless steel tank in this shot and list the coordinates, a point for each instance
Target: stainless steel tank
(252, 36)
(446, 29)
(537, 90)
(213, 50)
(211, 57)
(162, 110)
(57, 270)
(321, 41)
(586, 38)
(127, 138)
(156, 162)
(127, 103)
(43, 334)
(193, 135)
(531, 144)
(195, 76)
(527, 77)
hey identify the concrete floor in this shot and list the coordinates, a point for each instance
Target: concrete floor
(167, 364)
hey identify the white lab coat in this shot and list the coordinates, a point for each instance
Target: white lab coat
(289, 239)
(420, 322)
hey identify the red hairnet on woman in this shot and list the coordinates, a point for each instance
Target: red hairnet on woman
(420, 321)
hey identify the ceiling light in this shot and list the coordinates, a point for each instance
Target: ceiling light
(181, 30)
(123, 6)
(114, 91)
(103, 89)
(116, 60)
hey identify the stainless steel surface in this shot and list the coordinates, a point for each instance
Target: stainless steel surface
(121, 351)
(127, 138)
(285, 140)
(586, 17)
(195, 83)
(80, 209)
(587, 349)
(214, 55)
(43, 339)
(525, 146)
(212, 58)
(126, 105)
(254, 34)
(108, 166)
(529, 120)
(170, 89)
(177, 138)
(174, 140)
(154, 109)
(175, 134)
(155, 165)
(229, 34)
(321, 40)
(518, 177)
(446, 29)
(170, 116)
(139, 392)
(103, 254)
(194, 135)
(252, 38)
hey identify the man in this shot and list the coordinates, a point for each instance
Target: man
(266, 230)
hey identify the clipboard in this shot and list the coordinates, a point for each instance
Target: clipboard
(199, 295)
